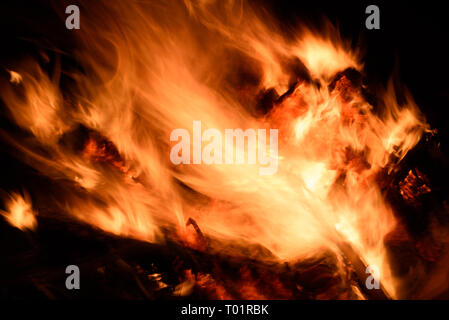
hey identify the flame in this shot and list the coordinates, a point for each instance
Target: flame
(19, 212)
(149, 68)
(14, 77)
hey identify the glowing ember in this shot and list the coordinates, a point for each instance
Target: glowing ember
(413, 186)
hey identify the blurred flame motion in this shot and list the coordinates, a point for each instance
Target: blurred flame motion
(149, 68)
(19, 212)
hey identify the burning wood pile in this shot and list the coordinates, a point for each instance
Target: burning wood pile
(352, 209)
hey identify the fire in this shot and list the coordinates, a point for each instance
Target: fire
(413, 186)
(19, 212)
(150, 68)
(14, 77)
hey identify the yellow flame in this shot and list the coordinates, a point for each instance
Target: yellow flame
(19, 212)
(153, 67)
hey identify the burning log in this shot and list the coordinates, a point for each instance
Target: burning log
(361, 271)
(117, 267)
(414, 185)
(201, 238)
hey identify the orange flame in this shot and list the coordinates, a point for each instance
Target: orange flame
(158, 67)
(19, 212)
